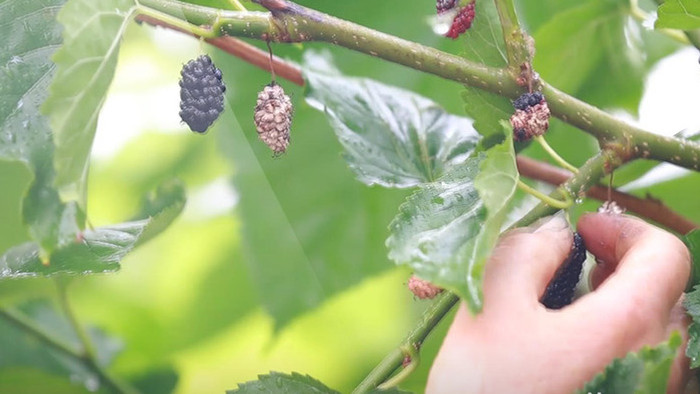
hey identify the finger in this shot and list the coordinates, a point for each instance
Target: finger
(649, 270)
(680, 372)
(524, 261)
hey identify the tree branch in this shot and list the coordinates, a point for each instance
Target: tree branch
(649, 208)
(288, 22)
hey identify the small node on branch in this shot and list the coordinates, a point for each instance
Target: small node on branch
(422, 288)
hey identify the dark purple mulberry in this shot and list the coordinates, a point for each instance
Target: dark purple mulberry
(462, 21)
(528, 100)
(445, 5)
(560, 290)
(201, 93)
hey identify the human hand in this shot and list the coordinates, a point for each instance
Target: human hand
(517, 345)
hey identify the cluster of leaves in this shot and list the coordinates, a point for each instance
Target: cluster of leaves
(329, 231)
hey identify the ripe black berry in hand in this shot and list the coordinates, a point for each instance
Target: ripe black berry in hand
(560, 290)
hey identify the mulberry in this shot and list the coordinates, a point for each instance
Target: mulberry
(560, 290)
(445, 5)
(462, 21)
(531, 117)
(422, 288)
(273, 117)
(528, 100)
(201, 93)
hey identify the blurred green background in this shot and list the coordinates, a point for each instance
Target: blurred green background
(276, 263)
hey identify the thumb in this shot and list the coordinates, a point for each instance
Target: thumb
(524, 261)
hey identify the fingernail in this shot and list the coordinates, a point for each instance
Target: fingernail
(552, 223)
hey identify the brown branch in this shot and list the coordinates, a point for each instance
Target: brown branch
(530, 168)
(649, 208)
(241, 49)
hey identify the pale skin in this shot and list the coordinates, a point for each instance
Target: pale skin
(517, 345)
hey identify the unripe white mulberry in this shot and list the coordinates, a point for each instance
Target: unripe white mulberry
(273, 117)
(422, 288)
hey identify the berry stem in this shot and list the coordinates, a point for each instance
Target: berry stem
(237, 5)
(543, 142)
(589, 174)
(177, 22)
(551, 201)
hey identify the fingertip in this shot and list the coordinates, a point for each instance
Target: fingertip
(609, 236)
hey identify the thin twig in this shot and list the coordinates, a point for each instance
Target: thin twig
(649, 208)
(242, 50)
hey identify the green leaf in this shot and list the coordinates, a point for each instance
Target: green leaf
(679, 14)
(484, 44)
(160, 381)
(19, 380)
(691, 303)
(392, 137)
(85, 67)
(692, 241)
(25, 135)
(281, 383)
(98, 250)
(594, 48)
(18, 348)
(644, 372)
(162, 207)
(447, 229)
(569, 46)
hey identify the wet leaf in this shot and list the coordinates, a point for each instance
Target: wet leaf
(445, 231)
(392, 137)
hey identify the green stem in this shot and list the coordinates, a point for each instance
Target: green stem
(414, 359)
(516, 46)
(589, 174)
(440, 306)
(692, 35)
(85, 341)
(560, 160)
(551, 201)
(237, 5)
(179, 23)
(37, 332)
(289, 22)
(89, 355)
(53, 342)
